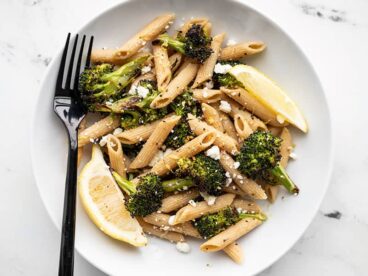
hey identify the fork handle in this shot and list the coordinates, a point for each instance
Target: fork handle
(66, 261)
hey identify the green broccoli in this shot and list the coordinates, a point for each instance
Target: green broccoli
(101, 82)
(226, 79)
(212, 224)
(180, 135)
(259, 158)
(195, 44)
(207, 173)
(177, 184)
(146, 197)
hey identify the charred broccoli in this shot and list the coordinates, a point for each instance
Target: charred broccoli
(212, 224)
(180, 135)
(207, 173)
(259, 158)
(145, 198)
(101, 82)
(194, 44)
(225, 79)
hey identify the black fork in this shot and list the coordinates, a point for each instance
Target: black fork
(68, 107)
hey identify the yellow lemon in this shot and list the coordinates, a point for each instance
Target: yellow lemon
(104, 202)
(269, 94)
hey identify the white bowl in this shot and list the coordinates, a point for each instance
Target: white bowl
(288, 217)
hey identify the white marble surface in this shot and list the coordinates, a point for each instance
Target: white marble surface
(334, 35)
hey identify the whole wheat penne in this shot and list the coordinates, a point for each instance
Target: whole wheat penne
(162, 221)
(252, 105)
(234, 251)
(193, 147)
(222, 140)
(176, 201)
(139, 40)
(241, 50)
(190, 212)
(246, 205)
(230, 235)
(147, 76)
(247, 185)
(154, 142)
(275, 130)
(98, 129)
(234, 189)
(162, 66)
(228, 125)
(139, 134)
(207, 95)
(176, 86)
(205, 71)
(241, 126)
(204, 22)
(109, 56)
(156, 231)
(285, 150)
(212, 117)
(175, 61)
(82, 126)
(116, 156)
(254, 122)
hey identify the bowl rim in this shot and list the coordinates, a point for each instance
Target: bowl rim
(253, 9)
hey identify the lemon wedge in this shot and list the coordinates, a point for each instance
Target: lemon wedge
(270, 95)
(104, 202)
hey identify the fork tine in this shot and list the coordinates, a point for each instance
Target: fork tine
(71, 63)
(88, 62)
(59, 81)
(79, 61)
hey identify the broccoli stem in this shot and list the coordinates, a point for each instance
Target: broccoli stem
(176, 184)
(171, 42)
(124, 184)
(259, 216)
(283, 179)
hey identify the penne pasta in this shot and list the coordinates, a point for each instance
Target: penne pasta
(252, 105)
(175, 61)
(222, 140)
(190, 212)
(241, 126)
(156, 231)
(138, 41)
(116, 156)
(212, 117)
(82, 126)
(249, 186)
(162, 66)
(139, 134)
(147, 76)
(154, 142)
(234, 251)
(176, 86)
(176, 201)
(163, 221)
(246, 205)
(285, 150)
(228, 125)
(207, 95)
(240, 50)
(234, 189)
(193, 147)
(275, 130)
(230, 235)
(98, 129)
(205, 71)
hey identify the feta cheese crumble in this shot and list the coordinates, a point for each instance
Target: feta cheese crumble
(103, 141)
(293, 155)
(171, 220)
(183, 247)
(142, 91)
(225, 106)
(208, 198)
(117, 131)
(236, 165)
(192, 202)
(222, 68)
(213, 152)
(230, 42)
(146, 69)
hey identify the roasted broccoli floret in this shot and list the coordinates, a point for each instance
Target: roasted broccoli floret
(146, 197)
(207, 173)
(259, 158)
(212, 224)
(180, 135)
(195, 44)
(226, 79)
(101, 82)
